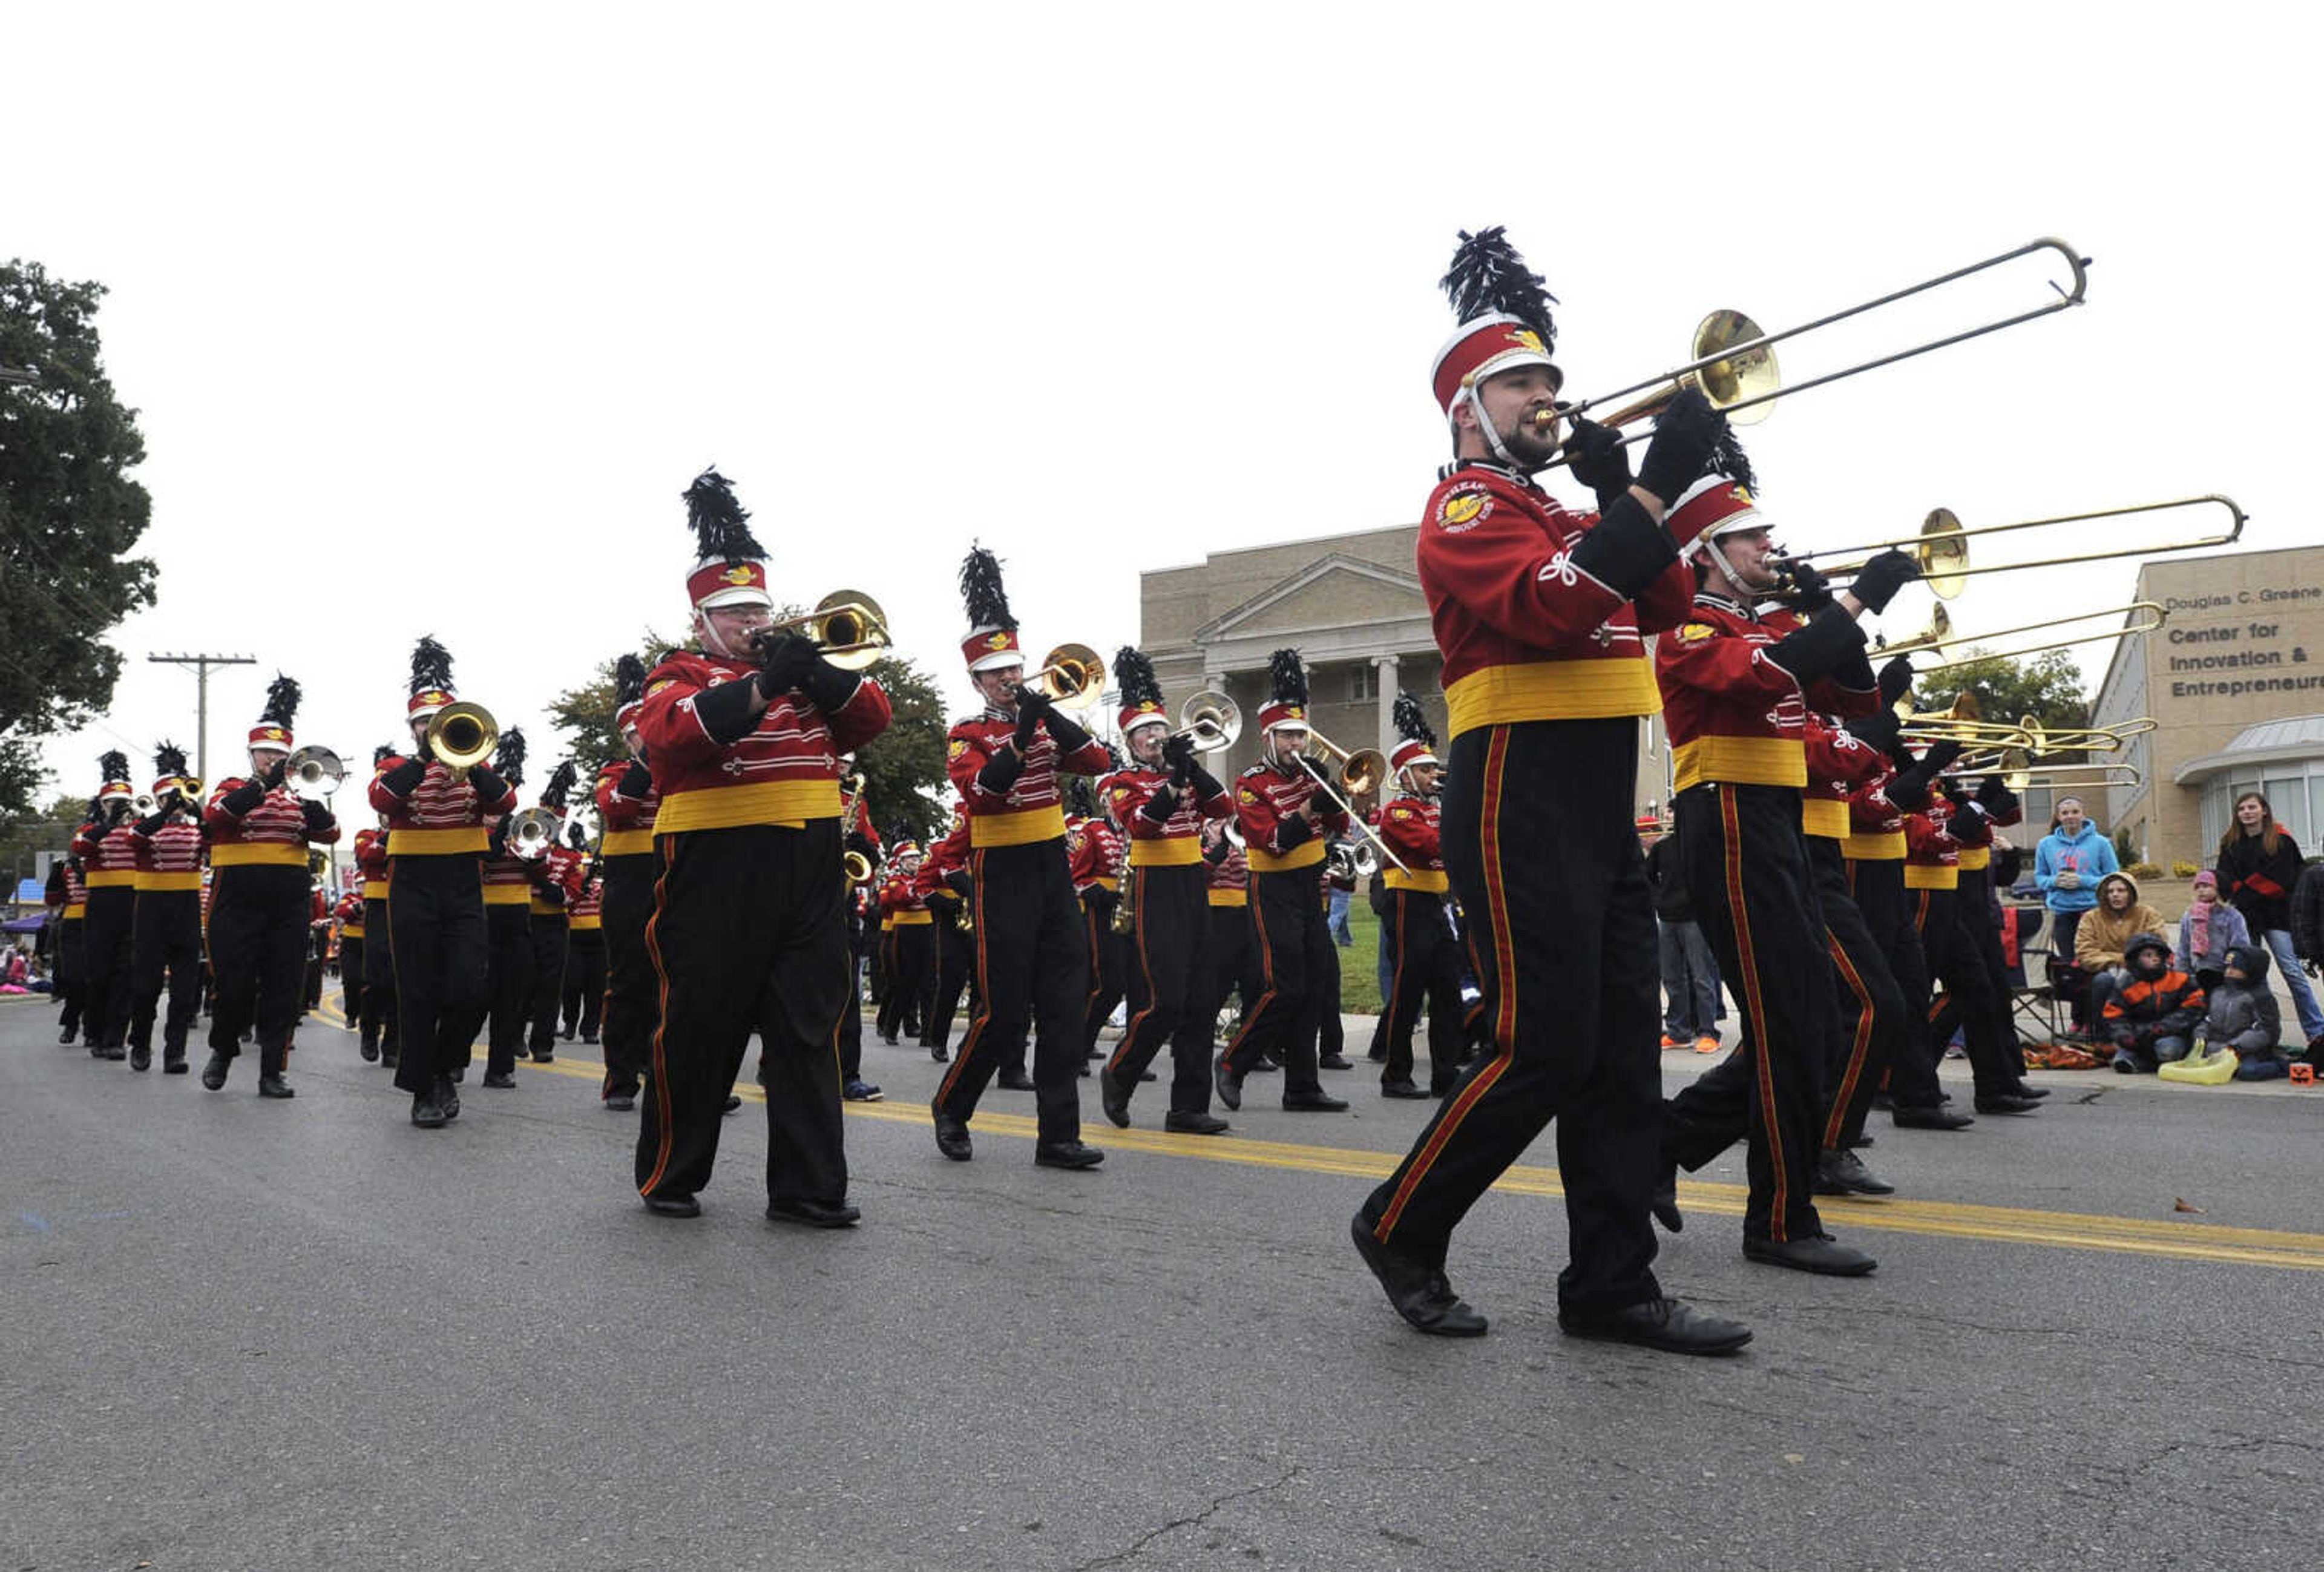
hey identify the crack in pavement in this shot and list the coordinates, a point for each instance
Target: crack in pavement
(1136, 1547)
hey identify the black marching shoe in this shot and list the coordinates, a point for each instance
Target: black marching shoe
(1229, 1085)
(591, 1039)
(1318, 1101)
(620, 1099)
(543, 1055)
(426, 1112)
(733, 1103)
(1843, 1173)
(859, 1090)
(141, 1058)
(1066, 1154)
(2027, 1089)
(1016, 1080)
(1114, 1098)
(2006, 1103)
(814, 1214)
(1664, 1202)
(1334, 1061)
(1193, 1123)
(272, 1085)
(674, 1206)
(951, 1137)
(1819, 1252)
(214, 1072)
(1401, 1089)
(447, 1097)
(173, 1063)
(369, 1049)
(500, 1080)
(1919, 1118)
(1417, 1290)
(938, 1052)
(112, 1050)
(65, 1034)
(1673, 1325)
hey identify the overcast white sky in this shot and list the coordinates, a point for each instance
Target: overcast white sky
(431, 312)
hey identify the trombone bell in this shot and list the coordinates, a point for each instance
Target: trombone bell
(848, 624)
(462, 735)
(1071, 676)
(1940, 552)
(313, 773)
(1212, 719)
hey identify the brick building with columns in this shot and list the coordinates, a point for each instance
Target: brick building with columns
(1352, 605)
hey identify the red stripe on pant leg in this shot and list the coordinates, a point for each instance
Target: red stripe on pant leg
(1857, 1051)
(983, 935)
(1266, 970)
(1396, 972)
(1448, 1121)
(1138, 930)
(1754, 1001)
(663, 1122)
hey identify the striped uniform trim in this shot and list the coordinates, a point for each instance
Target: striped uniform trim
(1857, 1051)
(975, 1038)
(665, 1133)
(1755, 1004)
(1145, 967)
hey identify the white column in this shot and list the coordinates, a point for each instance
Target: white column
(1383, 667)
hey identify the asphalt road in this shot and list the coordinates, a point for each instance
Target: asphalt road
(242, 1334)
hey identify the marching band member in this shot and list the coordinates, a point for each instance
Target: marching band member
(1977, 982)
(584, 992)
(169, 928)
(260, 923)
(1165, 800)
(508, 881)
(1032, 956)
(944, 885)
(108, 848)
(911, 974)
(1287, 820)
(436, 902)
(1097, 862)
(67, 897)
(375, 1032)
(1735, 691)
(1427, 956)
(555, 872)
(1232, 962)
(1538, 612)
(347, 917)
(627, 803)
(750, 923)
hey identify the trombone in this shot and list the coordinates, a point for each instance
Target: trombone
(531, 833)
(1212, 719)
(849, 626)
(462, 736)
(1360, 774)
(2145, 617)
(1941, 548)
(1072, 677)
(1734, 362)
(313, 773)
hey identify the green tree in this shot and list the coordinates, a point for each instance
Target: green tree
(2047, 687)
(68, 515)
(34, 831)
(586, 714)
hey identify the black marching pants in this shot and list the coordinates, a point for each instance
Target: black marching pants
(351, 980)
(508, 937)
(1977, 991)
(1871, 1020)
(583, 995)
(1539, 842)
(749, 933)
(1231, 968)
(1889, 910)
(1938, 928)
(108, 933)
(1427, 962)
(1032, 963)
(168, 938)
(1110, 961)
(911, 974)
(1747, 874)
(1294, 945)
(1171, 989)
(72, 976)
(259, 940)
(956, 953)
(552, 935)
(632, 1003)
(436, 929)
(379, 980)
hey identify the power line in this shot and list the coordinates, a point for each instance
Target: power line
(201, 665)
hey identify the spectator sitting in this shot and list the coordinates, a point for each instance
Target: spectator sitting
(2152, 1019)
(2210, 932)
(2242, 1014)
(2100, 938)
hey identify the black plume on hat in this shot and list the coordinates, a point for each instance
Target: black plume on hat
(1727, 458)
(1412, 722)
(1135, 674)
(560, 783)
(431, 665)
(282, 697)
(722, 525)
(629, 681)
(169, 758)
(381, 753)
(574, 838)
(115, 765)
(507, 761)
(980, 590)
(1289, 676)
(1080, 799)
(1488, 275)
(898, 832)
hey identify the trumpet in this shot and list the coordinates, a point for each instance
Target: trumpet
(849, 626)
(531, 833)
(1072, 677)
(1941, 548)
(1734, 363)
(313, 773)
(1212, 719)
(462, 736)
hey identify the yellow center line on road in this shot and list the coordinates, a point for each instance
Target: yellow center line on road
(1942, 1219)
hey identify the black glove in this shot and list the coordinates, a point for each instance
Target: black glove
(489, 788)
(828, 686)
(1882, 577)
(637, 780)
(317, 817)
(1179, 752)
(1995, 796)
(1819, 647)
(152, 821)
(1030, 707)
(1203, 783)
(1161, 805)
(1598, 457)
(784, 662)
(1067, 733)
(1685, 439)
(404, 779)
(1625, 550)
(1000, 771)
(1878, 730)
(1811, 591)
(1896, 679)
(1941, 755)
(279, 774)
(245, 797)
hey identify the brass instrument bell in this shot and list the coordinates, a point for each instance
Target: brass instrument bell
(462, 735)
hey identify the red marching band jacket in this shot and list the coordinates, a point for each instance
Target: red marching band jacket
(1265, 800)
(1526, 635)
(1175, 842)
(1931, 855)
(587, 909)
(350, 913)
(629, 820)
(557, 875)
(109, 858)
(1231, 878)
(1410, 827)
(172, 857)
(1033, 807)
(372, 863)
(1097, 858)
(274, 833)
(1732, 715)
(1839, 765)
(903, 900)
(443, 817)
(784, 771)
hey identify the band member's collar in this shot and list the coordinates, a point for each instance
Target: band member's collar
(1447, 471)
(1727, 603)
(995, 712)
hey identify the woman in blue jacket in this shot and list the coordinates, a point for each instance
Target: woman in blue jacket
(2068, 866)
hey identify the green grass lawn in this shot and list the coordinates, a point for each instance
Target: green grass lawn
(1360, 991)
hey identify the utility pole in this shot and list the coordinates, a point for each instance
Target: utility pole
(200, 665)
